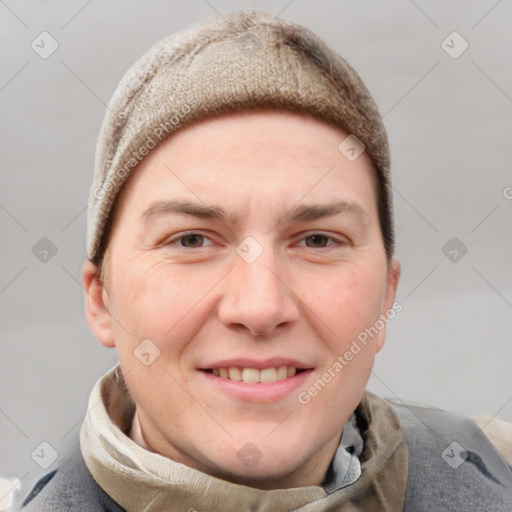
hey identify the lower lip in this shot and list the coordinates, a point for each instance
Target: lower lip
(260, 392)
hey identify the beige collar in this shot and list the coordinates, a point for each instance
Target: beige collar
(142, 481)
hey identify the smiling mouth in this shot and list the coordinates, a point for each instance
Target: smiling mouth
(254, 375)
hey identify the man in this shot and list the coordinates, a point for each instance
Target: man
(240, 259)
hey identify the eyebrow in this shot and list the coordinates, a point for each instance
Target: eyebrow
(296, 214)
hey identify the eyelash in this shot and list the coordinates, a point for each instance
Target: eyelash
(173, 240)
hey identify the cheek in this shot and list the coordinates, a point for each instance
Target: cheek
(347, 304)
(167, 305)
(161, 300)
(349, 301)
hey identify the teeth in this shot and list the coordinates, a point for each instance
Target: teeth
(268, 375)
(250, 375)
(235, 374)
(282, 373)
(253, 375)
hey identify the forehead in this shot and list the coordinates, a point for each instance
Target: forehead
(273, 156)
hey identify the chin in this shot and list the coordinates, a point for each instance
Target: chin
(260, 463)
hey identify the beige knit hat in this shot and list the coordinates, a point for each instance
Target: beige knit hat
(241, 61)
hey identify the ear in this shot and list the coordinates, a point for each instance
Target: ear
(97, 305)
(388, 309)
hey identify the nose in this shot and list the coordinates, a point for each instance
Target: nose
(257, 299)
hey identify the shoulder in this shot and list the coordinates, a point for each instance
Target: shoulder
(453, 465)
(71, 487)
(499, 433)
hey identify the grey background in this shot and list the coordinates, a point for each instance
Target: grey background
(450, 127)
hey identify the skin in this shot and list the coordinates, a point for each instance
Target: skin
(303, 297)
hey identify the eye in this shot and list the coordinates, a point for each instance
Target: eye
(319, 240)
(190, 241)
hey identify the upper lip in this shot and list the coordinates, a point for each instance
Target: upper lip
(257, 364)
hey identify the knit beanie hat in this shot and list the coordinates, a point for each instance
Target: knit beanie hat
(242, 61)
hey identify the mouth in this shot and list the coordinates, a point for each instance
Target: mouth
(257, 381)
(250, 375)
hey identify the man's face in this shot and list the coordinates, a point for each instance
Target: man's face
(248, 245)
